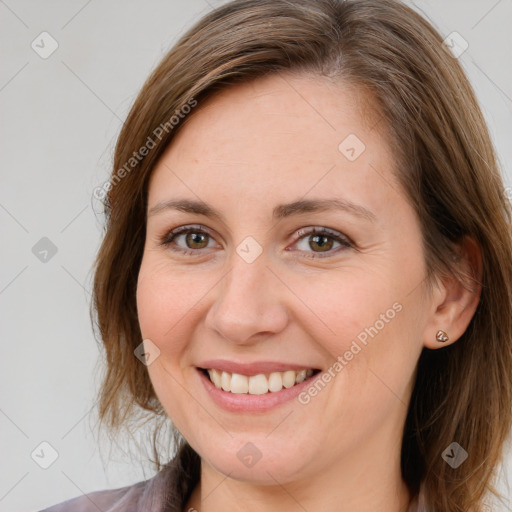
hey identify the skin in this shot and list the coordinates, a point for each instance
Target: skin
(253, 146)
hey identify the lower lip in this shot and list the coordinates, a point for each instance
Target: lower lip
(244, 402)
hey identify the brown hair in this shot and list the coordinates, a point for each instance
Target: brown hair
(444, 159)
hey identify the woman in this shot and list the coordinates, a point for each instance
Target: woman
(306, 268)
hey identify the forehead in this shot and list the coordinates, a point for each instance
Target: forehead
(280, 136)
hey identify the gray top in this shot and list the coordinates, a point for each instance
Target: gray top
(158, 494)
(143, 496)
(167, 491)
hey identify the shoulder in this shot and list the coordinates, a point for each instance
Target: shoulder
(122, 499)
(163, 492)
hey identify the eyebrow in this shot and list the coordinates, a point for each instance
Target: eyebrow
(279, 212)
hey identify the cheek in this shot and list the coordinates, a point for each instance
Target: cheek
(163, 304)
(163, 297)
(163, 308)
(347, 307)
(370, 327)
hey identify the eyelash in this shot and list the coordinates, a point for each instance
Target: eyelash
(169, 238)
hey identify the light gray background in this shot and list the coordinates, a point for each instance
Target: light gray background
(59, 120)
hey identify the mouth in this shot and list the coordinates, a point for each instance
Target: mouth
(258, 384)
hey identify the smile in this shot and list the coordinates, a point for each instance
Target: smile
(259, 384)
(254, 387)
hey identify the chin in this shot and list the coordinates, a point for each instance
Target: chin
(260, 461)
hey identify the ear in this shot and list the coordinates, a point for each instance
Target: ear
(455, 302)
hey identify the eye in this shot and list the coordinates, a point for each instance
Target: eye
(321, 240)
(194, 238)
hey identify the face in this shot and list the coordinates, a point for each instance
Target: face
(266, 287)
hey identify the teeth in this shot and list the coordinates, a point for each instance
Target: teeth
(215, 378)
(275, 382)
(225, 381)
(257, 384)
(301, 376)
(239, 383)
(289, 379)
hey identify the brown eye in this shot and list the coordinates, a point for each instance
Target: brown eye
(187, 240)
(195, 240)
(322, 242)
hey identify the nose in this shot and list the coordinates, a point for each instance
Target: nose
(248, 305)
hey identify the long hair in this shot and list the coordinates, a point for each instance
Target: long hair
(445, 161)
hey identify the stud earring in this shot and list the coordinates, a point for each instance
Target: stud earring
(441, 336)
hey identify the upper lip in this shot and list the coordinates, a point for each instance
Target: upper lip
(253, 368)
